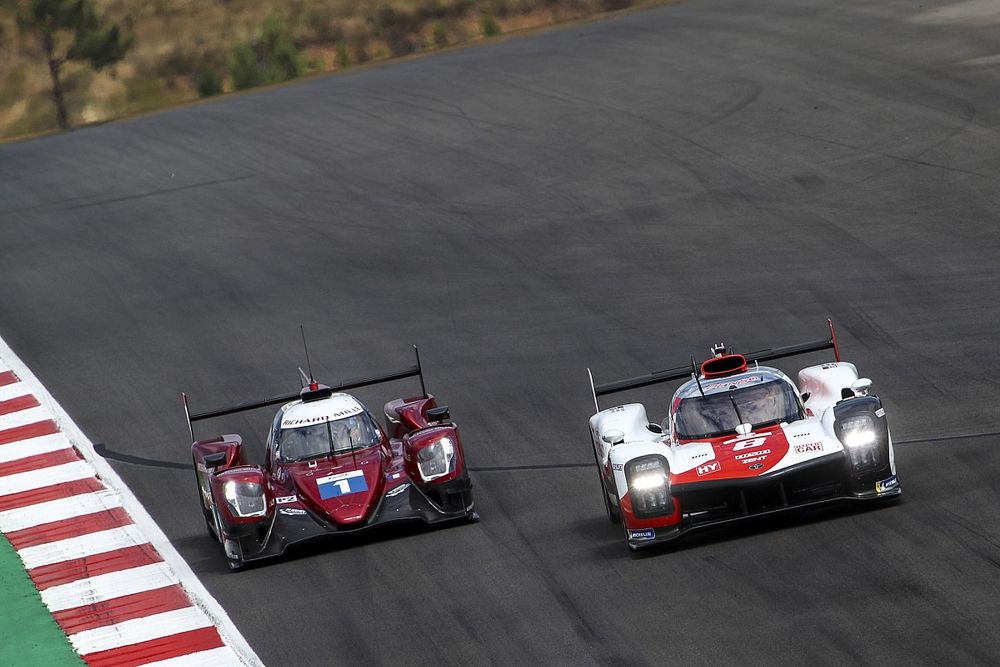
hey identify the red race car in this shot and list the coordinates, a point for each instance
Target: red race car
(330, 469)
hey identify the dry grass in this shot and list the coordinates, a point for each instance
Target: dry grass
(176, 39)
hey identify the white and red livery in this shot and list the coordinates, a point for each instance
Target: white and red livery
(741, 440)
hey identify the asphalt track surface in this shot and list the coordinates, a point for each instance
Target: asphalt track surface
(618, 194)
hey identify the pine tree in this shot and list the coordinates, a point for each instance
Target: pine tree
(54, 22)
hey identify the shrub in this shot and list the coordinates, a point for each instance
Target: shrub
(342, 59)
(489, 26)
(440, 35)
(270, 58)
(208, 82)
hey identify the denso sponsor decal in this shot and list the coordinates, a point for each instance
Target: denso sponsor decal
(809, 447)
(733, 383)
(645, 534)
(284, 500)
(761, 452)
(886, 484)
(708, 468)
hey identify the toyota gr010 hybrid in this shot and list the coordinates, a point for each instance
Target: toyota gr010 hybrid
(741, 440)
(330, 469)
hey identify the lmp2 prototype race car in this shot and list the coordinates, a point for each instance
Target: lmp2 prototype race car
(330, 469)
(741, 440)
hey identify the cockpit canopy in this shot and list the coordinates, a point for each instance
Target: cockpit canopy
(716, 414)
(330, 437)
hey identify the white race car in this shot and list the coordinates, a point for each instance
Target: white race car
(741, 440)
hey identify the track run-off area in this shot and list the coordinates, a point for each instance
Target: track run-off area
(619, 194)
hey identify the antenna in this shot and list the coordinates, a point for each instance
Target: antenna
(694, 374)
(312, 379)
(420, 371)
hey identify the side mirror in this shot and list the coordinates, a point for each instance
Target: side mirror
(861, 386)
(805, 396)
(438, 414)
(655, 428)
(613, 438)
(215, 460)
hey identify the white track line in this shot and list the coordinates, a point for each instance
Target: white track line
(138, 630)
(108, 586)
(36, 479)
(57, 510)
(216, 657)
(23, 417)
(33, 446)
(84, 545)
(181, 571)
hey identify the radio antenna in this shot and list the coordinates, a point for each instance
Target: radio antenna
(694, 374)
(302, 330)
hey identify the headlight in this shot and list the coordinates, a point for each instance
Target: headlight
(245, 498)
(437, 459)
(649, 486)
(858, 431)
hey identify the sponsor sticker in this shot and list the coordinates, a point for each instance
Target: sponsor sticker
(753, 459)
(643, 535)
(291, 511)
(320, 419)
(284, 500)
(809, 447)
(880, 413)
(756, 466)
(762, 452)
(708, 468)
(341, 484)
(617, 466)
(732, 383)
(398, 490)
(886, 484)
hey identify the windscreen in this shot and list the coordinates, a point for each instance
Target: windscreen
(709, 416)
(316, 440)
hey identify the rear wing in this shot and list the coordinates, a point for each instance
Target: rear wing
(413, 371)
(686, 371)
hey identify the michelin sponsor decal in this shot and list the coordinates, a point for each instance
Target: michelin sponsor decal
(886, 484)
(643, 535)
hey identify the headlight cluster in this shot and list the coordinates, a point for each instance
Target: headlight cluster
(245, 499)
(860, 435)
(437, 459)
(649, 486)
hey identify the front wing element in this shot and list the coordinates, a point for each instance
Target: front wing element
(816, 482)
(405, 503)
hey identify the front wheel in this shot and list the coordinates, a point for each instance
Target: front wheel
(614, 515)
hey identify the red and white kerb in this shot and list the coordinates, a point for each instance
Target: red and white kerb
(106, 585)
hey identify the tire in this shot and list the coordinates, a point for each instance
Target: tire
(211, 521)
(235, 564)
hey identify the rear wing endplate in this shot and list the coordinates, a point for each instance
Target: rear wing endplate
(413, 371)
(686, 371)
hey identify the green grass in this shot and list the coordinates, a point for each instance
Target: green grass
(30, 635)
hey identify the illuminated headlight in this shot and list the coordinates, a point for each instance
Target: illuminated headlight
(649, 486)
(245, 498)
(858, 432)
(437, 459)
